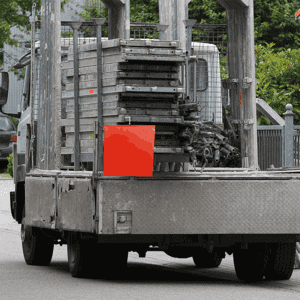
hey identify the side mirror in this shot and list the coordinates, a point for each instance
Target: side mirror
(4, 85)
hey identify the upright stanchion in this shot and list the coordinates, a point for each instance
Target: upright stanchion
(162, 31)
(27, 149)
(75, 26)
(289, 136)
(99, 22)
(188, 25)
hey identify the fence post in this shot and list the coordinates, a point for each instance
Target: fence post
(289, 136)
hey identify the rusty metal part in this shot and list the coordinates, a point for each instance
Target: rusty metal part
(208, 122)
(215, 146)
(217, 156)
(225, 151)
(208, 134)
(220, 137)
(230, 148)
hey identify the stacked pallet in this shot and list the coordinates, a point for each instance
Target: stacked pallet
(141, 86)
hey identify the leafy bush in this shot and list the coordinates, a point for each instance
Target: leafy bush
(16, 122)
(277, 79)
(9, 169)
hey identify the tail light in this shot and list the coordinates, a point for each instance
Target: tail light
(13, 138)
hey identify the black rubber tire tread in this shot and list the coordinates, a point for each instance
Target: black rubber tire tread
(249, 263)
(37, 248)
(281, 261)
(80, 256)
(204, 259)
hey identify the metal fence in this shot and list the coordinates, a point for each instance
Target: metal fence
(279, 145)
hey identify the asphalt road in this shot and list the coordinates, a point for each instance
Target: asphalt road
(155, 277)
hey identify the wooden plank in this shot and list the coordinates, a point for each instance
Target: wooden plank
(131, 43)
(82, 128)
(93, 61)
(121, 89)
(82, 63)
(155, 119)
(70, 150)
(94, 113)
(115, 104)
(118, 51)
(93, 98)
(89, 66)
(90, 106)
(157, 112)
(93, 69)
(142, 104)
(93, 77)
(150, 43)
(148, 75)
(93, 91)
(87, 121)
(146, 67)
(168, 97)
(82, 136)
(83, 143)
(147, 82)
(68, 123)
(178, 59)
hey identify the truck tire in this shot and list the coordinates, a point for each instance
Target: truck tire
(37, 248)
(249, 263)
(204, 259)
(88, 259)
(80, 256)
(281, 261)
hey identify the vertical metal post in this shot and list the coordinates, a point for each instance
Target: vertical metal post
(162, 31)
(187, 76)
(99, 23)
(289, 136)
(27, 149)
(75, 26)
(188, 24)
(127, 20)
(195, 81)
(32, 20)
(95, 158)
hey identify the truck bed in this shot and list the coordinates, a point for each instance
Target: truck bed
(230, 202)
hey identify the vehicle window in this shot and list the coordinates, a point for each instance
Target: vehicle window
(6, 124)
(202, 75)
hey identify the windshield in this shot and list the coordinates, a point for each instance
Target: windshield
(6, 124)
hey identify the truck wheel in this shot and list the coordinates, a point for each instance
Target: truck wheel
(80, 256)
(281, 261)
(37, 248)
(249, 263)
(204, 259)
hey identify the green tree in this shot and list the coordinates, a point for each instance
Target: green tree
(15, 13)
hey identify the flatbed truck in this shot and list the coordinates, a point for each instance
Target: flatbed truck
(189, 212)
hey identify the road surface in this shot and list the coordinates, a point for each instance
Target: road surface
(157, 276)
